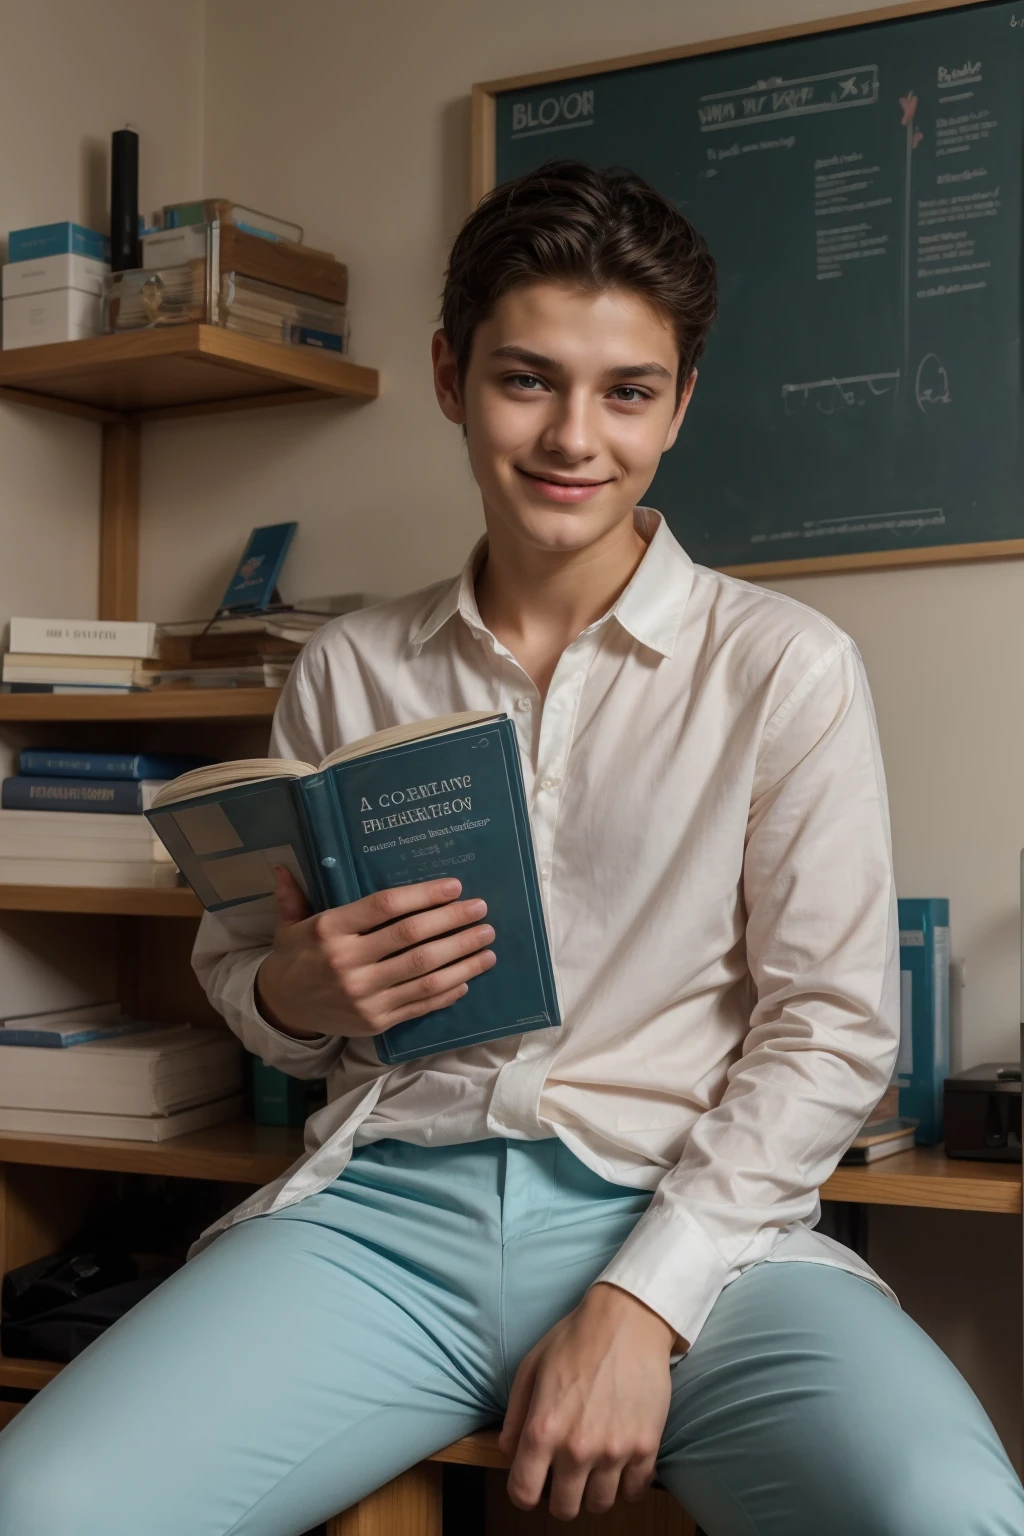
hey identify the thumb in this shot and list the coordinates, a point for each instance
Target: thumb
(292, 906)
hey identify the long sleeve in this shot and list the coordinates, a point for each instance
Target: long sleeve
(231, 946)
(822, 952)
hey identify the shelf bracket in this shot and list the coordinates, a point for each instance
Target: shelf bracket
(119, 521)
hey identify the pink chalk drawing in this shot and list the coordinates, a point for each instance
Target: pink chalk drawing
(909, 105)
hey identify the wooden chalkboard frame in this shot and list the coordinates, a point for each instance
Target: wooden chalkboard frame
(482, 179)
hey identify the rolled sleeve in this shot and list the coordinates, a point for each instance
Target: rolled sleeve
(822, 951)
(231, 945)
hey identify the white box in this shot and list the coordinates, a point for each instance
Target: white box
(173, 247)
(63, 314)
(51, 272)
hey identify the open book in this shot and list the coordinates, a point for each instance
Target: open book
(416, 802)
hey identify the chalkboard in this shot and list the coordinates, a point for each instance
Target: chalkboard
(860, 400)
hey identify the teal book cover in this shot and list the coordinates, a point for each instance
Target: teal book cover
(922, 1065)
(450, 804)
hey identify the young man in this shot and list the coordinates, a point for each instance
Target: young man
(601, 1233)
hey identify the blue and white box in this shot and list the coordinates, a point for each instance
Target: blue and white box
(52, 298)
(922, 1065)
(65, 239)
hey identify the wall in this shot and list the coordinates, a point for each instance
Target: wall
(70, 73)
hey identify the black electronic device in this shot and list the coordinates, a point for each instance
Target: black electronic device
(124, 200)
(982, 1113)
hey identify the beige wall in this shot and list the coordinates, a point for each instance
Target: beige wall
(70, 73)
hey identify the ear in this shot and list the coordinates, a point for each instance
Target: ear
(677, 419)
(446, 379)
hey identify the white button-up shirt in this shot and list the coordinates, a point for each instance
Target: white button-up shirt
(709, 812)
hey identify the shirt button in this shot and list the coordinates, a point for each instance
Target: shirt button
(545, 871)
(550, 783)
(523, 703)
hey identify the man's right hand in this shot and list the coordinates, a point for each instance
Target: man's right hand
(343, 973)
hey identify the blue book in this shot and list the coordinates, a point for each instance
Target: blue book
(66, 239)
(106, 765)
(71, 1026)
(123, 797)
(419, 802)
(923, 1062)
(306, 336)
(252, 585)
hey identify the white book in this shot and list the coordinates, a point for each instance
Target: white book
(84, 637)
(154, 1073)
(68, 825)
(108, 873)
(69, 1122)
(122, 677)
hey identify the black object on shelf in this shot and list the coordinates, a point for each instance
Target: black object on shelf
(982, 1113)
(124, 200)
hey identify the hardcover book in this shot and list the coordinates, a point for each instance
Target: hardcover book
(130, 638)
(922, 1065)
(416, 802)
(52, 763)
(122, 797)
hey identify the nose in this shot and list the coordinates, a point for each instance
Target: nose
(571, 431)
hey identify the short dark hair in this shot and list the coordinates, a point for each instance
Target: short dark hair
(567, 222)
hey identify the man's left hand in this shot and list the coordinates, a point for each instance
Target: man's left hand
(589, 1402)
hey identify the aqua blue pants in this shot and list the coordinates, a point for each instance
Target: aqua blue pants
(309, 1356)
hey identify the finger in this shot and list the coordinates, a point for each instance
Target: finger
(415, 994)
(418, 1011)
(532, 1457)
(418, 962)
(420, 927)
(518, 1404)
(568, 1485)
(637, 1477)
(292, 906)
(602, 1487)
(397, 901)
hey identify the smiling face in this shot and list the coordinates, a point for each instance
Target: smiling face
(569, 401)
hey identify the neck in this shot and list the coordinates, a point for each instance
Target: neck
(537, 601)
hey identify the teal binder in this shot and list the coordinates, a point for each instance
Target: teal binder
(922, 1065)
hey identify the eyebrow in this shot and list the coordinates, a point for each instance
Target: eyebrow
(649, 370)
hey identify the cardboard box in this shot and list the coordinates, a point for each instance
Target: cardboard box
(50, 272)
(62, 314)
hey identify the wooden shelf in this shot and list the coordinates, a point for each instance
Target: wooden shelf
(118, 901)
(245, 1153)
(177, 370)
(239, 1152)
(927, 1177)
(27, 1374)
(161, 704)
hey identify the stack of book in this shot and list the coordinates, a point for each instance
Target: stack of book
(217, 262)
(77, 655)
(883, 1134)
(105, 657)
(253, 650)
(76, 818)
(93, 1072)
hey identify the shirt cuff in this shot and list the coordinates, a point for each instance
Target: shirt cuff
(670, 1264)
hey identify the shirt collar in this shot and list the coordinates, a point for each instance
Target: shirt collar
(650, 609)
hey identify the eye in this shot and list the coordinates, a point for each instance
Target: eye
(525, 381)
(631, 394)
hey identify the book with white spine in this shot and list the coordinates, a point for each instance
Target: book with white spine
(71, 1122)
(84, 637)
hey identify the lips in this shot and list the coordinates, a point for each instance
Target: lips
(562, 490)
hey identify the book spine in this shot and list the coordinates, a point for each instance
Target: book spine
(83, 765)
(327, 841)
(41, 794)
(80, 637)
